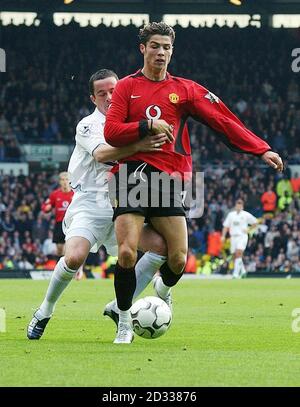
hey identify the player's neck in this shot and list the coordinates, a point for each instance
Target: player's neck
(154, 75)
(66, 189)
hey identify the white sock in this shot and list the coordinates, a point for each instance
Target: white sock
(145, 269)
(238, 264)
(124, 317)
(162, 289)
(243, 270)
(60, 279)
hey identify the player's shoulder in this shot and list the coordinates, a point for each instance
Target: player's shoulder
(188, 83)
(231, 212)
(128, 80)
(248, 213)
(228, 216)
(55, 192)
(68, 193)
(86, 124)
(87, 119)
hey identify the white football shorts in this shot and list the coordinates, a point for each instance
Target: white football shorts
(90, 216)
(238, 243)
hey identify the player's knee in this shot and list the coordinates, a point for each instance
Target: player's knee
(238, 254)
(160, 246)
(127, 256)
(75, 260)
(59, 250)
(177, 261)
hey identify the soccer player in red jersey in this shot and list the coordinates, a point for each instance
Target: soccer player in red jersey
(152, 101)
(59, 200)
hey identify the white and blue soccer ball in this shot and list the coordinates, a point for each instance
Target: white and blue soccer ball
(151, 317)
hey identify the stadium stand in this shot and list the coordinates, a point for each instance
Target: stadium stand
(44, 94)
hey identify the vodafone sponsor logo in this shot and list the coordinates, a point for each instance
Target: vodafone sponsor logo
(153, 112)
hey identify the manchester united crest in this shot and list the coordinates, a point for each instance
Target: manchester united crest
(173, 98)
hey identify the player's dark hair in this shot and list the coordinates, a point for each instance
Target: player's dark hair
(101, 74)
(156, 28)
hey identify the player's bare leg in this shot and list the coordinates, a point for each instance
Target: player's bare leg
(128, 228)
(177, 245)
(77, 250)
(60, 248)
(151, 241)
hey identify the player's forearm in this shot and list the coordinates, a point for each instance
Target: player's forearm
(239, 138)
(119, 134)
(252, 227)
(214, 113)
(105, 153)
(224, 232)
(46, 206)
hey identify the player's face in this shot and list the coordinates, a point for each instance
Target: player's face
(103, 90)
(157, 52)
(64, 182)
(239, 205)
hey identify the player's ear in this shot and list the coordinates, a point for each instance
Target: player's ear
(93, 99)
(142, 48)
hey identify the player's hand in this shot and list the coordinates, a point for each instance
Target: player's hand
(161, 126)
(223, 238)
(48, 208)
(152, 143)
(273, 160)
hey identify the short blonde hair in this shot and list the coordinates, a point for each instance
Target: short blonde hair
(63, 174)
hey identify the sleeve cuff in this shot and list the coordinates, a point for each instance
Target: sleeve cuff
(143, 128)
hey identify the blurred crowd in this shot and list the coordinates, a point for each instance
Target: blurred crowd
(44, 93)
(26, 231)
(274, 199)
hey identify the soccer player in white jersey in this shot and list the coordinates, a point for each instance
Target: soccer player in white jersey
(88, 220)
(237, 224)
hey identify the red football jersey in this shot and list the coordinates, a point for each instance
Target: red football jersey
(60, 201)
(137, 98)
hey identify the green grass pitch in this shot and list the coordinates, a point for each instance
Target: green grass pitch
(224, 333)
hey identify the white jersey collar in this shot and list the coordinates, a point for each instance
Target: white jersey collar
(100, 116)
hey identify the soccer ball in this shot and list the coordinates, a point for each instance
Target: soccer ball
(151, 317)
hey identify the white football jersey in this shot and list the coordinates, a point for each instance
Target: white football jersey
(85, 173)
(238, 222)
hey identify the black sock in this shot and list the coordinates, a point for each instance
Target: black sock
(125, 284)
(168, 277)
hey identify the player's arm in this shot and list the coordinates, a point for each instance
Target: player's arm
(104, 153)
(224, 233)
(253, 222)
(252, 227)
(118, 132)
(210, 110)
(226, 227)
(48, 204)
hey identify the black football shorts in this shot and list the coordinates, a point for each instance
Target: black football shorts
(58, 234)
(140, 188)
